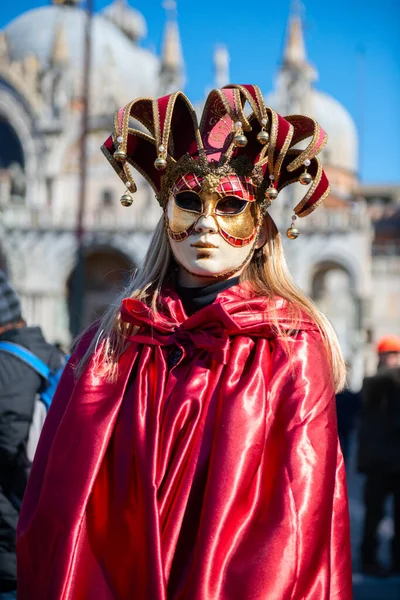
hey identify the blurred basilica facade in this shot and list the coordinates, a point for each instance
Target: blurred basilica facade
(347, 257)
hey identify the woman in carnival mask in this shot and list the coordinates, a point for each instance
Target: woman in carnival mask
(191, 451)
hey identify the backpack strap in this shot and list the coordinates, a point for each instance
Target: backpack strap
(27, 357)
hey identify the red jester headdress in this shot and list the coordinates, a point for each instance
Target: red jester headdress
(253, 154)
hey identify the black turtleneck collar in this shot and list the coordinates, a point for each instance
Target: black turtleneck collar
(193, 299)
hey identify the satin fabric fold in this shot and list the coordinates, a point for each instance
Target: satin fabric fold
(219, 478)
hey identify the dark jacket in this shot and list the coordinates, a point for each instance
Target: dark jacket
(19, 385)
(379, 433)
(347, 407)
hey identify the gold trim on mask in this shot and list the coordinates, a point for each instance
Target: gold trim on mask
(230, 272)
(237, 229)
(210, 183)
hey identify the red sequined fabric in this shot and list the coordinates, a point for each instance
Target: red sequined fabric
(234, 185)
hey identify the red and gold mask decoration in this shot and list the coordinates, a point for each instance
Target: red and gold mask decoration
(231, 165)
(229, 200)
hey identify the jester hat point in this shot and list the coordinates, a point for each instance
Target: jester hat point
(230, 151)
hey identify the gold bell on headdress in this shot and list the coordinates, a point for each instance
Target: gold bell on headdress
(271, 193)
(120, 155)
(126, 199)
(263, 137)
(240, 140)
(292, 232)
(305, 178)
(160, 163)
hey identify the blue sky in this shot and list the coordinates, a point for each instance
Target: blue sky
(354, 44)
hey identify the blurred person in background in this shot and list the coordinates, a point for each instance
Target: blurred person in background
(19, 386)
(347, 407)
(379, 453)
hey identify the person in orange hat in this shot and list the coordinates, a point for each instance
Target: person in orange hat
(379, 452)
(388, 349)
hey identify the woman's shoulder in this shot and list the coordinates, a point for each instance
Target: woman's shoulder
(287, 318)
(297, 328)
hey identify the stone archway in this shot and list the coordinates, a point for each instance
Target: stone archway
(11, 150)
(12, 165)
(106, 271)
(21, 165)
(334, 294)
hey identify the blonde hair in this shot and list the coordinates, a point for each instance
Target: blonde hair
(269, 276)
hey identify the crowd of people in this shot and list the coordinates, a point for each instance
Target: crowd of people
(379, 453)
(371, 417)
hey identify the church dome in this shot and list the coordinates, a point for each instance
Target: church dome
(129, 20)
(117, 63)
(342, 148)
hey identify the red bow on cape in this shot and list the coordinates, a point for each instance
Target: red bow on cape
(218, 478)
(211, 332)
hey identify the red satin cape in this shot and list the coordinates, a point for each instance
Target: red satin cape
(215, 478)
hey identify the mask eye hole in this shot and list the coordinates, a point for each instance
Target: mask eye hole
(189, 201)
(231, 205)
